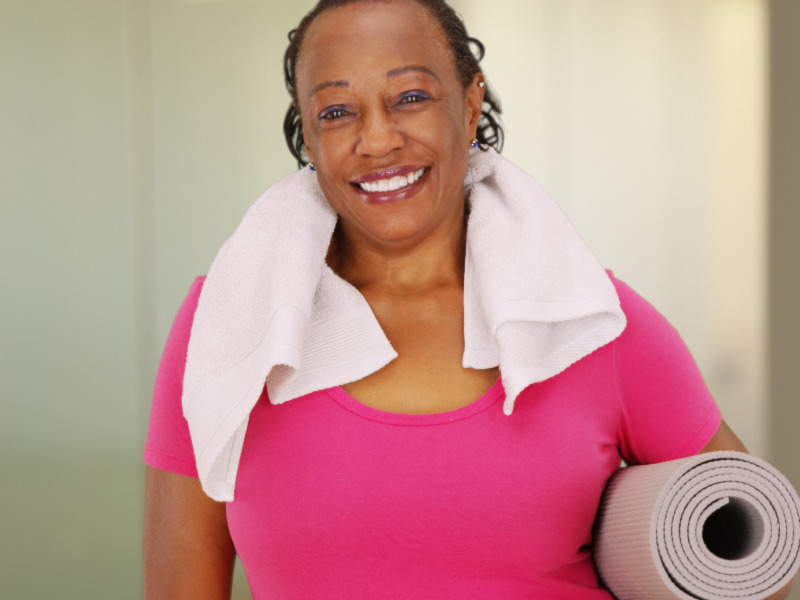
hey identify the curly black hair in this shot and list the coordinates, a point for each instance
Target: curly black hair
(467, 53)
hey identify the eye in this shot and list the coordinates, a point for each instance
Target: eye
(332, 113)
(413, 97)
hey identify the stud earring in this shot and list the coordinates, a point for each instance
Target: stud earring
(481, 84)
(474, 143)
(311, 167)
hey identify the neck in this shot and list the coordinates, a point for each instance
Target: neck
(401, 269)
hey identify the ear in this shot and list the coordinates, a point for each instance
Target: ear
(307, 147)
(472, 115)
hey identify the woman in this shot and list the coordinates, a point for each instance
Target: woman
(405, 479)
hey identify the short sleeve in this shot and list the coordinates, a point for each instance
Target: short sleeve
(667, 410)
(169, 445)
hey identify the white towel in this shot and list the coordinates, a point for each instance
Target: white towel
(271, 311)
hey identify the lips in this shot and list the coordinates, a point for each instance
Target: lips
(389, 179)
(387, 186)
(391, 184)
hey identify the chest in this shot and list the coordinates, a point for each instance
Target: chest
(329, 485)
(427, 376)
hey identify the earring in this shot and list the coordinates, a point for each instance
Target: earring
(311, 167)
(481, 84)
(474, 143)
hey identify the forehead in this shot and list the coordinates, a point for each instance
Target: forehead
(371, 36)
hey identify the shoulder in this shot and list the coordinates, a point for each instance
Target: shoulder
(189, 305)
(645, 324)
(182, 325)
(168, 446)
(667, 409)
(630, 301)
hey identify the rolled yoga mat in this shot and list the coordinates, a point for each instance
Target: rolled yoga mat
(722, 525)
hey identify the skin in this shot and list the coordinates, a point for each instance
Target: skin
(188, 552)
(397, 102)
(378, 90)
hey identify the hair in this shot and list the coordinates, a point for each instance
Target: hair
(467, 53)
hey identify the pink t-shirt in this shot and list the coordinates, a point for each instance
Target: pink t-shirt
(335, 499)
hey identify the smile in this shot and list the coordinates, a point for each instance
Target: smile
(392, 184)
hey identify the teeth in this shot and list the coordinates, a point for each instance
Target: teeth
(393, 184)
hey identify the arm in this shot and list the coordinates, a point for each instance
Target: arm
(725, 439)
(188, 552)
(662, 392)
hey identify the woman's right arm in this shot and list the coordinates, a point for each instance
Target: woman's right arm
(188, 552)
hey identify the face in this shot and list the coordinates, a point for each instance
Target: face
(386, 119)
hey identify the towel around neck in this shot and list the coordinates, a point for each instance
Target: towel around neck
(272, 312)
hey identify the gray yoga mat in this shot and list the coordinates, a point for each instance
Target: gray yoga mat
(717, 526)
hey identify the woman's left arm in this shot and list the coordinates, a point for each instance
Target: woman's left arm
(726, 439)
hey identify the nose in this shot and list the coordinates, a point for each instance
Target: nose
(379, 134)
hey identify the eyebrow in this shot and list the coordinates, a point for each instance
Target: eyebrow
(421, 69)
(342, 83)
(327, 84)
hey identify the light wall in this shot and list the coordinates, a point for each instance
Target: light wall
(70, 429)
(135, 134)
(646, 120)
(68, 332)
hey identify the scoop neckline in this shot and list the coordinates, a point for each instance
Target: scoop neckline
(487, 399)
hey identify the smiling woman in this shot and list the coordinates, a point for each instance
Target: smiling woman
(387, 102)
(405, 375)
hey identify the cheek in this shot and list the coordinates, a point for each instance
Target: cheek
(329, 148)
(326, 183)
(448, 123)
(449, 135)
(452, 140)
(336, 191)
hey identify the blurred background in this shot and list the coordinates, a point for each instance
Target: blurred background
(134, 134)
